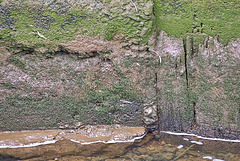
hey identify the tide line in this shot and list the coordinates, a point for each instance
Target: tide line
(28, 145)
(201, 137)
(110, 141)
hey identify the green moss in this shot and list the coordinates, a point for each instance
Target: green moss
(180, 18)
(110, 30)
(214, 18)
(108, 1)
(5, 34)
(31, 113)
(61, 27)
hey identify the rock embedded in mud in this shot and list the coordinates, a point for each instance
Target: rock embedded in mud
(207, 157)
(150, 118)
(150, 114)
(61, 127)
(79, 125)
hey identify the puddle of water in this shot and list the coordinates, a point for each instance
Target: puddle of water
(113, 144)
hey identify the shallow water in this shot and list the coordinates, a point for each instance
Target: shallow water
(67, 145)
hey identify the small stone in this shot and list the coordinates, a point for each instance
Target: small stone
(180, 146)
(79, 125)
(163, 143)
(217, 160)
(61, 127)
(186, 139)
(207, 157)
(197, 142)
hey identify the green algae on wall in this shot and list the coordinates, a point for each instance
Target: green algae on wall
(211, 18)
(60, 22)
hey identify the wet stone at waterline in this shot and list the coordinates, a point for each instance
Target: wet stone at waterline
(113, 144)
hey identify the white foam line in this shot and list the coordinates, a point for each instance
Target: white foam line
(26, 131)
(200, 137)
(28, 145)
(110, 141)
(93, 142)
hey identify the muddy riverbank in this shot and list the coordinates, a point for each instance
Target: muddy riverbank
(113, 143)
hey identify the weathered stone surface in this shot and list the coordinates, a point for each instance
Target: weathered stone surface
(198, 79)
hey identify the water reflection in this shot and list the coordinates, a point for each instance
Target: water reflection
(170, 147)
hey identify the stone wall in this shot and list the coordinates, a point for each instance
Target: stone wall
(103, 61)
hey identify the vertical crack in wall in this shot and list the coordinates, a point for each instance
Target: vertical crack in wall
(157, 101)
(158, 110)
(194, 112)
(185, 60)
(192, 46)
(193, 31)
(194, 51)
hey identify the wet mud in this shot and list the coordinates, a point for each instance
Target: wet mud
(114, 143)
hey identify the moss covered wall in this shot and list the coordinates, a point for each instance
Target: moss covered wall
(195, 82)
(61, 21)
(183, 18)
(100, 58)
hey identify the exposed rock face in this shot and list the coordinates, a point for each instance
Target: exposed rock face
(101, 60)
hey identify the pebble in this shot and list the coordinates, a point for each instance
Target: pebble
(197, 142)
(186, 139)
(217, 160)
(207, 157)
(163, 143)
(180, 146)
